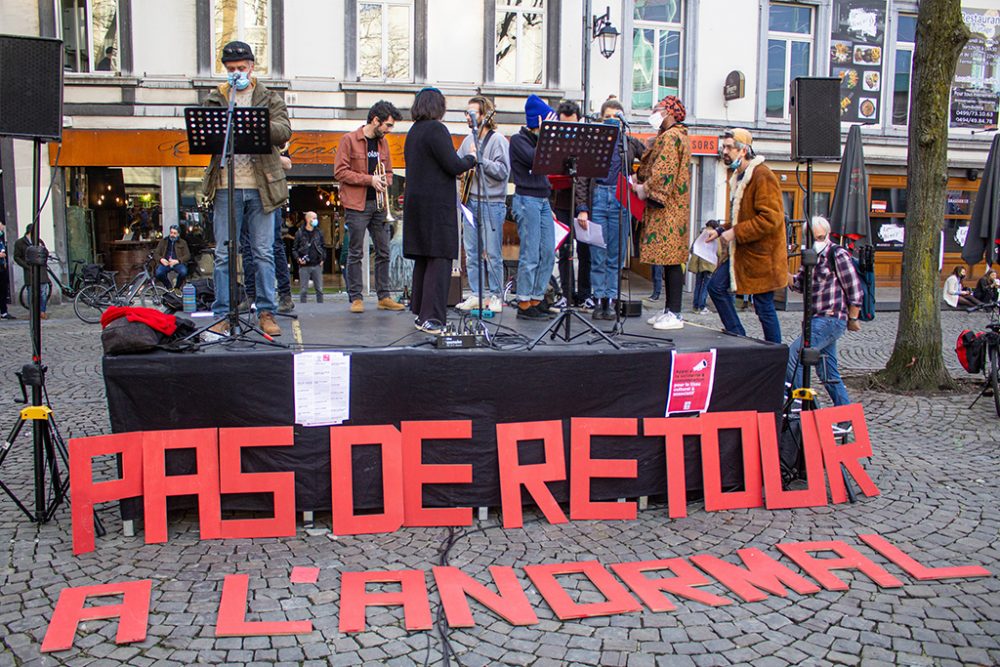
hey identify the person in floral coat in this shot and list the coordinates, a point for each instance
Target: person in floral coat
(665, 185)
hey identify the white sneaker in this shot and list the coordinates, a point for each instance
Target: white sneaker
(472, 303)
(496, 304)
(704, 311)
(656, 318)
(669, 321)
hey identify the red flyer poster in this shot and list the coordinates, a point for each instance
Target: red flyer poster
(692, 375)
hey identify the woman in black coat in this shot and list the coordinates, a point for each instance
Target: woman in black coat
(430, 208)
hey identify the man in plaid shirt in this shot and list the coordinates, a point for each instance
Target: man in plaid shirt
(836, 303)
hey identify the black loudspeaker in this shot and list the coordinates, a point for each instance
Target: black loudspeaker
(31, 87)
(815, 109)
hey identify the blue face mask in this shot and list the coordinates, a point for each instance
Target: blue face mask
(612, 121)
(239, 80)
(735, 164)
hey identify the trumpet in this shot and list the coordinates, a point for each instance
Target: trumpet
(382, 198)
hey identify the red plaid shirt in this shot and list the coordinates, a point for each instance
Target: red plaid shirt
(836, 283)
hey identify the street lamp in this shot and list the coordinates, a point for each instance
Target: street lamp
(595, 28)
(606, 33)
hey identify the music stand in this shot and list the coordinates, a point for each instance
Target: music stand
(573, 149)
(230, 131)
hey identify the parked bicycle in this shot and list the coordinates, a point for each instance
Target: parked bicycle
(984, 348)
(81, 274)
(91, 302)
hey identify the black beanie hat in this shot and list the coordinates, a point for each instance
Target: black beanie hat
(234, 51)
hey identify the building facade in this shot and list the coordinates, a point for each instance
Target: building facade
(132, 66)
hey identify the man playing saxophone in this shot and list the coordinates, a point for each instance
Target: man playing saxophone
(363, 167)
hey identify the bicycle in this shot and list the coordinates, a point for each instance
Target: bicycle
(77, 280)
(91, 301)
(991, 365)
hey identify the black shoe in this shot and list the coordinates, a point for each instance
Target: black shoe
(531, 313)
(285, 303)
(545, 309)
(7, 316)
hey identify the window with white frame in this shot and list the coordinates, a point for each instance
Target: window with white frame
(385, 40)
(906, 37)
(657, 36)
(244, 20)
(789, 53)
(520, 42)
(90, 35)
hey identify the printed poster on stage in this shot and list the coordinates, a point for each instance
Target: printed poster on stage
(857, 49)
(692, 376)
(975, 90)
(322, 388)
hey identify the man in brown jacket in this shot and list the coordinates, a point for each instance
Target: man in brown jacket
(758, 260)
(358, 155)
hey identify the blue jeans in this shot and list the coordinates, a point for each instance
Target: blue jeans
(604, 262)
(825, 332)
(281, 272)
(718, 289)
(537, 253)
(163, 273)
(494, 212)
(249, 210)
(46, 291)
(701, 289)
(657, 280)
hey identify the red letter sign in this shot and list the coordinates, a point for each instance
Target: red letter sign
(618, 599)
(915, 569)
(761, 572)
(821, 569)
(533, 477)
(342, 441)
(132, 613)
(416, 473)
(231, 621)
(354, 599)
(85, 492)
(682, 584)
(157, 485)
(775, 497)
(715, 499)
(674, 431)
(280, 484)
(583, 468)
(849, 455)
(510, 602)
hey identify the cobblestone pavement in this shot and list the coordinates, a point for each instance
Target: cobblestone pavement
(935, 464)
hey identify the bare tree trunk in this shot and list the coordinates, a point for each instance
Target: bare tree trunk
(917, 361)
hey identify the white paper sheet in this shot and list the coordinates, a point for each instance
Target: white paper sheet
(592, 235)
(322, 388)
(559, 232)
(708, 251)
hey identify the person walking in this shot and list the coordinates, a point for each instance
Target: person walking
(308, 252)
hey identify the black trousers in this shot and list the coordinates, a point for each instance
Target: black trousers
(582, 283)
(673, 281)
(431, 277)
(4, 289)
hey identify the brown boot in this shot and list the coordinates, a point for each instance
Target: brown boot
(221, 328)
(268, 325)
(357, 306)
(386, 303)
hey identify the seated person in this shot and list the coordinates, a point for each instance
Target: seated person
(955, 294)
(988, 288)
(171, 254)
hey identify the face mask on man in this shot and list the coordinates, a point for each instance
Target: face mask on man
(735, 164)
(656, 119)
(314, 223)
(820, 245)
(239, 80)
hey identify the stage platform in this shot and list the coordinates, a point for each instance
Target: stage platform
(396, 376)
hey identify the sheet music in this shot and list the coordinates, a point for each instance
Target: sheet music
(592, 235)
(560, 231)
(322, 388)
(707, 251)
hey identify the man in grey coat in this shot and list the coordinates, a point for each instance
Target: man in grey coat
(490, 195)
(260, 188)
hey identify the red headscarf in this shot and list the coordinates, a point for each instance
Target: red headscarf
(673, 107)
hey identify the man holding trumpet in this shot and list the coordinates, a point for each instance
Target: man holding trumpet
(363, 167)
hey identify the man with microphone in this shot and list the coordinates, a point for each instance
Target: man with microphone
(260, 188)
(489, 195)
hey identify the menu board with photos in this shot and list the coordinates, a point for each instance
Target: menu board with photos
(857, 48)
(975, 90)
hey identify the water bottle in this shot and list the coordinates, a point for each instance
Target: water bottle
(188, 294)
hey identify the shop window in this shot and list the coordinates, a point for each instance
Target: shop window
(656, 51)
(906, 37)
(90, 35)
(957, 211)
(385, 40)
(789, 53)
(520, 42)
(888, 217)
(244, 20)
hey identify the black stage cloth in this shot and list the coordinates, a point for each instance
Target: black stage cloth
(219, 388)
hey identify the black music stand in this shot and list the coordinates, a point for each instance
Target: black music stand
(573, 149)
(230, 131)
